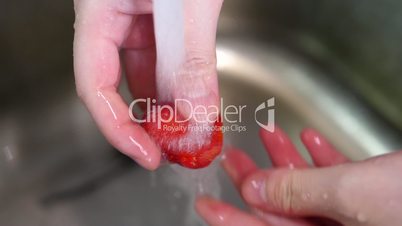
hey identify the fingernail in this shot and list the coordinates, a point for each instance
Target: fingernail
(312, 137)
(254, 189)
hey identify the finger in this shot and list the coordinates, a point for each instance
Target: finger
(100, 29)
(281, 149)
(186, 65)
(238, 166)
(306, 192)
(290, 158)
(321, 151)
(217, 213)
(275, 219)
(140, 57)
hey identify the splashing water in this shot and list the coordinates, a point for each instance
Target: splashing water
(192, 183)
(169, 18)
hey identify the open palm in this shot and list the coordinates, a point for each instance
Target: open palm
(283, 154)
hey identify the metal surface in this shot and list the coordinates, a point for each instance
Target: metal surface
(57, 169)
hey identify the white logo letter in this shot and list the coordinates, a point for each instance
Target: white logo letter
(130, 110)
(271, 115)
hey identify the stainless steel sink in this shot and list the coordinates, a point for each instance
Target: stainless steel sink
(56, 168)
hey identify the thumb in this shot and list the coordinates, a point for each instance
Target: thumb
(306, 192)
(185, 34)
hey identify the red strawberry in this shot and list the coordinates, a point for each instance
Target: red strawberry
(179, 144)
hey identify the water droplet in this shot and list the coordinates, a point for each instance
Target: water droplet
(317, 140)
(100, 94)
(291, 166)
(254, 183)
(139, 146)
(221, 218)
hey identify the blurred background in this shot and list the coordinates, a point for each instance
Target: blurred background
(331, 64)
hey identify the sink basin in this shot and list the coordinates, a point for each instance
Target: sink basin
(56, 168)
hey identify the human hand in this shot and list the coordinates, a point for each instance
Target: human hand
(108, 29)
(333, 192)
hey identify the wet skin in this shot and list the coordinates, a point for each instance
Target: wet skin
(334, 191)
(113, 35)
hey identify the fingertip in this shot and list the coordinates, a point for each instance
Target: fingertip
(320, 149)
(253, 189)
(139, 147)
(238, 165)
(311, 136)
(209, 209)
(281, 150)
(265, 133)
(275, 138)
(311, 139)
(218, 213)
(204, 204)
(150, 163)
(228, 163)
